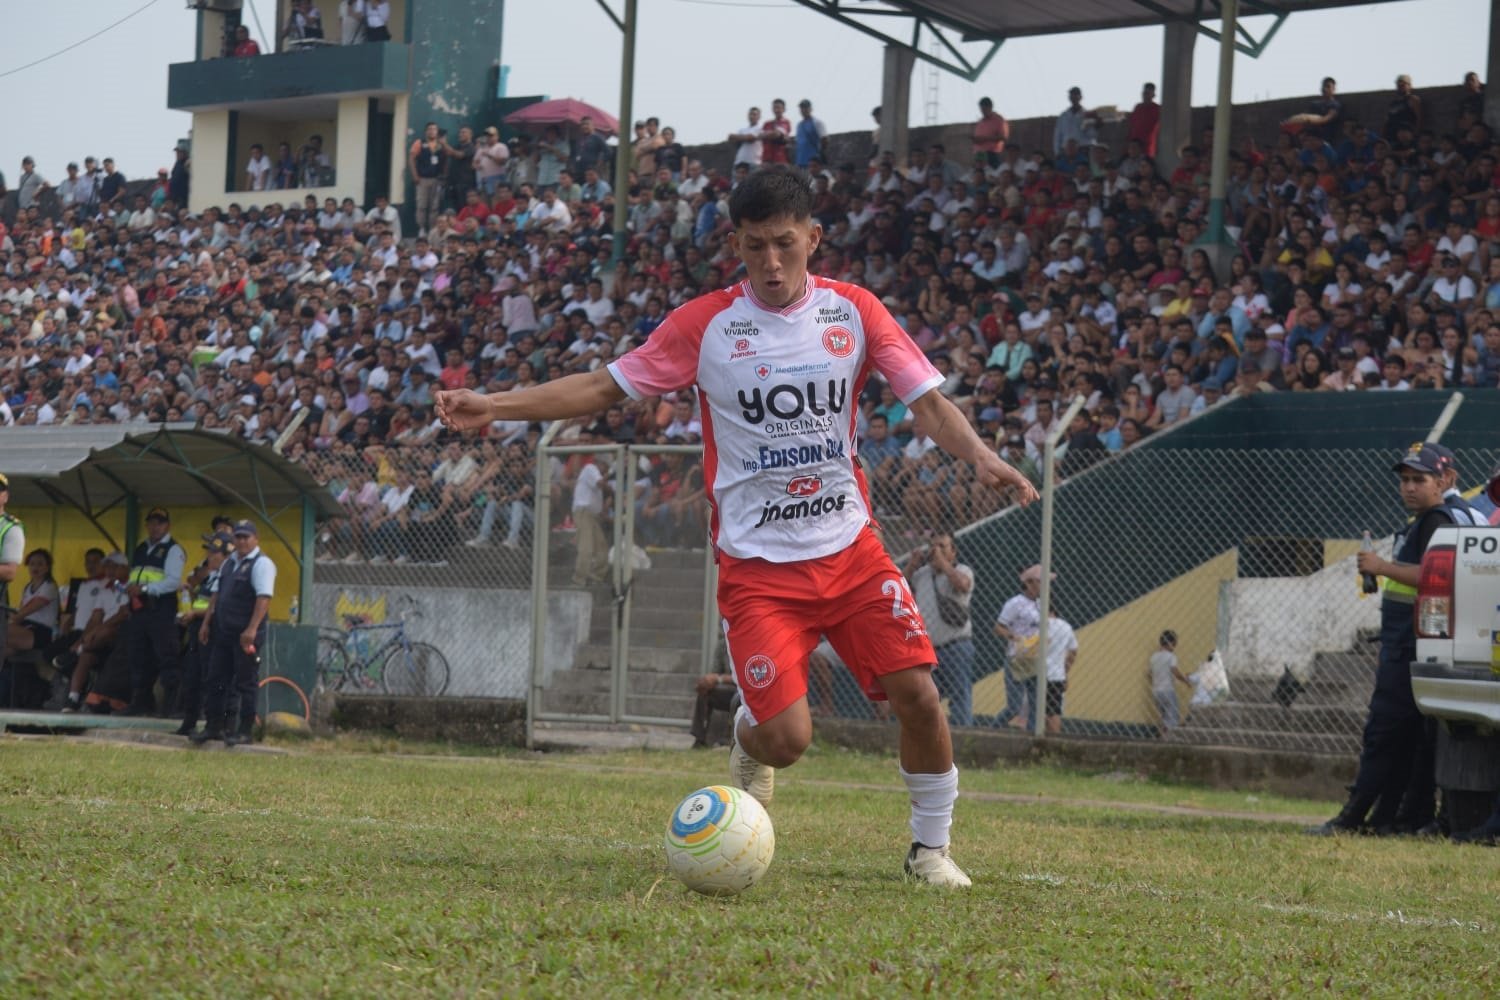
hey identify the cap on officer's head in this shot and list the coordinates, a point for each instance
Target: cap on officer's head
(158, 514)
(242, 528)
(1426, 458)
(221, 542)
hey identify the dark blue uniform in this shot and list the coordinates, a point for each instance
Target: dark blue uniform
(233, 674)
(195, 660)
(1391, 758)
(152, 642)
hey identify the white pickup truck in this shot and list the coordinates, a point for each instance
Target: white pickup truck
(1456, 676)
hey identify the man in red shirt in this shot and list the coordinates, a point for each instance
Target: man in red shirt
(776, 134)
(474, 208)
(454, 372)
(780, 360)
(990, 133)
(1145, 120)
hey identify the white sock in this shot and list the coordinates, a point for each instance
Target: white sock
(932, 798)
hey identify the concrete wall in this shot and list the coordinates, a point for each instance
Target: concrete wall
(1270, 623)
(1258, 121)
(484, 634)
(346, 139)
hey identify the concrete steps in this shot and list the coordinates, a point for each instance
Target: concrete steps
(1327, 716)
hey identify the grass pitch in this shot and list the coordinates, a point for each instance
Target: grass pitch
(337, 871)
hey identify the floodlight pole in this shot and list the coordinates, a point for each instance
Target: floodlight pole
(623, 151)
(1219, 177)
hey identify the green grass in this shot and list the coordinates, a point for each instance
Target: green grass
(345, 869)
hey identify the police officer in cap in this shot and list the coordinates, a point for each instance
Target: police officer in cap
(235, 632)
(151, 641)
(1453, 499)
(1392, 751)
(12, 552)
(217, 545)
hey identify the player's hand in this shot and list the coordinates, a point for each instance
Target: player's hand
(997, 474)
(462, 409)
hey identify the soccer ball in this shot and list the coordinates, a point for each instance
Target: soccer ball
(719, 841)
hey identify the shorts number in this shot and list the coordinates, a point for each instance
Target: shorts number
(902, 603)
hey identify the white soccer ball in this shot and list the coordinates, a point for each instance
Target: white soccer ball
(719, 841)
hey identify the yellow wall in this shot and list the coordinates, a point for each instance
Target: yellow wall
(270, 133)
(210, 158)
(345, 140)
(68, 534)
(1109, 679)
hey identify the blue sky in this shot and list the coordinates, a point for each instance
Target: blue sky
(699, 64)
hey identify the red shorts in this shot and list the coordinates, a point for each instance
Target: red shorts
(774, 614)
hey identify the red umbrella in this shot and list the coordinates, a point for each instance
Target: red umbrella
(564, 111)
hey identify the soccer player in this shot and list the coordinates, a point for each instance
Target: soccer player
(779, 361)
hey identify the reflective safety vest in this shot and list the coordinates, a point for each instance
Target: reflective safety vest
(148, 564)
(205, 592)
(6, 524)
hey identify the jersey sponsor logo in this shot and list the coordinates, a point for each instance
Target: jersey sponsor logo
(832, 315)
(737, 355)
(803, 486)
(742, 345)
(816, 368)
(796, 456)
(838, 341)
(797, 510)
(741, 328)
(787, 401)
(762, 372)
(760, 671)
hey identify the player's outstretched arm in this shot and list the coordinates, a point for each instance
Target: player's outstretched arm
(947, 426)
(572, 396)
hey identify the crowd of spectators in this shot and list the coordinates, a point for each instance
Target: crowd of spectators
(1366, 260)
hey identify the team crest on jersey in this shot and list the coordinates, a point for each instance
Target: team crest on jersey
(760, 671)
(762, 372)
(838, 341)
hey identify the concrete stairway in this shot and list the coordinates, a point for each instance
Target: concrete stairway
(666, 628)
(1326, 717)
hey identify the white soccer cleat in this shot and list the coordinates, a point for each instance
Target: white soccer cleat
(934, 866)
(749, 774)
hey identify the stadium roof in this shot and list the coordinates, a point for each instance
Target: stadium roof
(994, 21)
(94, 469)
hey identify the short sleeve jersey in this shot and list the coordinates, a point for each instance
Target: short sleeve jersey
(779, 389)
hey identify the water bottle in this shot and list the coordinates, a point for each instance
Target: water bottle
(1495, 642)
(1367, 582)
(296, 606)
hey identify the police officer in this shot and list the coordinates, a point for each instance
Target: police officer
(152, 644)
(1463, 514)
(202, 585)
(12, 552)
(235, 632)
(1394, 732)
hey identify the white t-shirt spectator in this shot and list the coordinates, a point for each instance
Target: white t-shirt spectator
(588, 491)
(258, 171)
(1061, 640)
(1175, 404)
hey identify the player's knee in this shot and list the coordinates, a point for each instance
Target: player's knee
(916, 697)
(783, 745)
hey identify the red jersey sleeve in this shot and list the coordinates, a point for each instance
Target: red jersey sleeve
(891, 351)
(669, 359)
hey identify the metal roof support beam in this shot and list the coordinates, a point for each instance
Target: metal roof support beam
(1251, 45)
(961, 65)
(63, 500)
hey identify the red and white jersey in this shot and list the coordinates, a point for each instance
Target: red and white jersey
(779, 390)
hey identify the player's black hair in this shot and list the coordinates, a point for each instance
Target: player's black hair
(772, 192)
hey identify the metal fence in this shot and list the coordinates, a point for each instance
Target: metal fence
(1246, 556)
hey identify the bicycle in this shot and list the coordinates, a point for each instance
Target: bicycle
(397, 665)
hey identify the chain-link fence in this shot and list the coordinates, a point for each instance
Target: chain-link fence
(436, 549)
(575, 575)
(1204, 596)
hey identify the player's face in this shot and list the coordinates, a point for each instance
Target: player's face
(776, 252)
